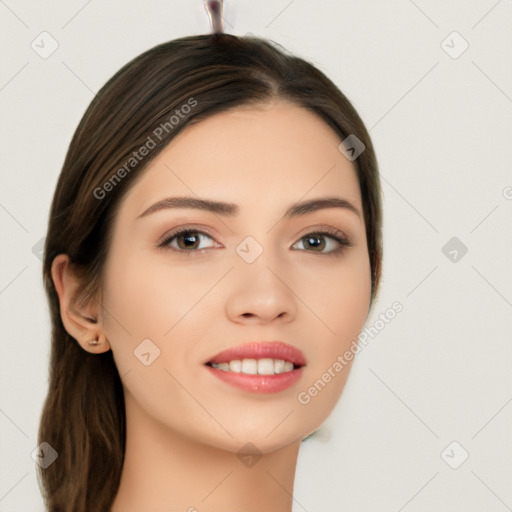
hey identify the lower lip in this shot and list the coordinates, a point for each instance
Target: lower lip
(258, 383)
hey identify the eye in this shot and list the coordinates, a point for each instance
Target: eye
(187, 240)
(316, 240)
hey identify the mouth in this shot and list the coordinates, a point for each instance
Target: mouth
(263, 357)
(261, 367)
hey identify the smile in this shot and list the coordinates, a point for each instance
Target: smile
(258, 367)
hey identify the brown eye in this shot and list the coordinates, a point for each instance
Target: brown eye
(316, 242)
(187, 240)
(335, 241)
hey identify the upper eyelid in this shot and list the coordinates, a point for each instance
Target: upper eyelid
(180, 229)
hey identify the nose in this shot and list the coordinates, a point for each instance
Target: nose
(260, 294)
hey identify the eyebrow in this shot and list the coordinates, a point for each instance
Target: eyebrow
(231, 209)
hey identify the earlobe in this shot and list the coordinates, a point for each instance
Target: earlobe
(83, 322)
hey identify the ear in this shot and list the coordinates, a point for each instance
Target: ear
(80, 322)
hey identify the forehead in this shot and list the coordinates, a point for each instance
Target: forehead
(276, 153)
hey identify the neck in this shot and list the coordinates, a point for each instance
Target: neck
(166, 470)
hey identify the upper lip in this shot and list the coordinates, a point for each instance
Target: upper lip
(261, 350)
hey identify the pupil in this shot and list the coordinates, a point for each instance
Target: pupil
(186, 238)
(309, 239)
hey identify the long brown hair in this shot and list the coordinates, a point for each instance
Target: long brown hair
(83, 417)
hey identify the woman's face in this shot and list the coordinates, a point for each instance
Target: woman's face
(250, 276)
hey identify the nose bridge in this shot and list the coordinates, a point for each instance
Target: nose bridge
(260, 287)
(260, 261)
(260, 255)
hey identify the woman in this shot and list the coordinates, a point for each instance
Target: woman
(214, 243)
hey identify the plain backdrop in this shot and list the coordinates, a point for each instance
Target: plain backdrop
(425, 421)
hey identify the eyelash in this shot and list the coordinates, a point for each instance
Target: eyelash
(335, 234)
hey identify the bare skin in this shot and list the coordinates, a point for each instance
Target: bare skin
(185, 427)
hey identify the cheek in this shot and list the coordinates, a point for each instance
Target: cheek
(341, 301)
(338, 294)
(350, 300)
(150, 296)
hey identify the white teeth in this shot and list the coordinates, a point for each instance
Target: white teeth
(249, 366)
(265, 366)
(279, 366)
(235, 366)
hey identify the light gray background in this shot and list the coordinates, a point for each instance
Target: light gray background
(442, 126)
